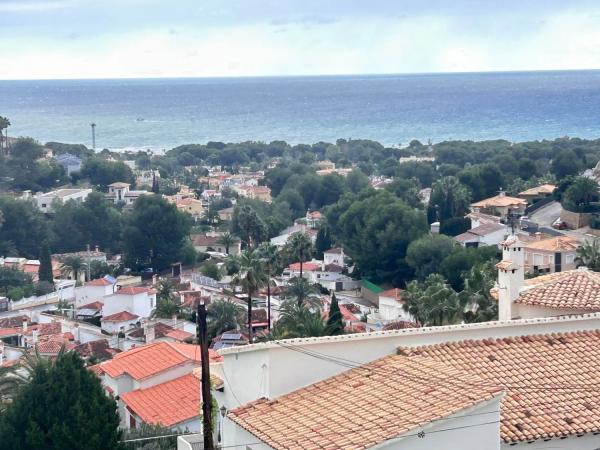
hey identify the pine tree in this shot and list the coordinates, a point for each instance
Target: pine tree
(335, 324)
(63, 407)
(155, 186)
(45, 270)
(323, 242)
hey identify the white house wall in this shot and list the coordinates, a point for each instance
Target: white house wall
(269, 370)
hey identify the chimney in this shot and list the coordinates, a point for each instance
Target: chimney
(25, 324)
(34, 336)
(511, 276)
(435, 228)
(97, 249)
(538, 236)
(149, 333)
(502, 194)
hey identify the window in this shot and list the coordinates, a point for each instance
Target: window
(43, 205)
(569, 259)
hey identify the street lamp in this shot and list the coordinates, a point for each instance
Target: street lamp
(223, 411)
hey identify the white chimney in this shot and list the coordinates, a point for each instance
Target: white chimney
(149, 333)
(34, 336)
(435, 228)
(511, 275)
(25, 324)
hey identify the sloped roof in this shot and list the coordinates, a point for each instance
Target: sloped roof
(147, 360)
(134, 290)
(500, 200)
(555, 244)
(122, 316)
(99, 282)
(542, 189)
(573, 289)
(537, 372)
(394, 293)
(167, 403)
(362, 407)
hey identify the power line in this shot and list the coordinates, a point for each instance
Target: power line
(357, 365)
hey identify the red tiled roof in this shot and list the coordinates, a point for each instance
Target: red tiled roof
(306, 267)
(536, 371)
(99, 282)
(574, 289)
(122, 316)
(150, 359)
(10, 331)
(334, 251)
(394, 293)
(201, 240)
(13, 322)
(362, 407)
(179, 335)
(94, 305)
(167, 403)
(135, 290)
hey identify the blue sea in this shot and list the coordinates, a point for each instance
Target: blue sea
(159, 114)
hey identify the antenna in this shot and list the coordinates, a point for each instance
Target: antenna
(93, 125)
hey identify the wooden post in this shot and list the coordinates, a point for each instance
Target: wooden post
(206, 393)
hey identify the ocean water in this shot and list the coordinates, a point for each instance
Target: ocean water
(158, 114)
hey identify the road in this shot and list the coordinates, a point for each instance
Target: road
(546, 215)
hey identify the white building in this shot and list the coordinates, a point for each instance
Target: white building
(140, 301)
(557, 294)
(334, 256)
(483, 235)
(121, 193)
(471, 386)
(94, 290)
(44, 201)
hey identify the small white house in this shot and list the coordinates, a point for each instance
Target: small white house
(140, 301)
(487, 234)
(334, 256)
(44, 201)
(120, 321)
(94, 290)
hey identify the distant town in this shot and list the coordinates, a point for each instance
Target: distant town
(338, 295)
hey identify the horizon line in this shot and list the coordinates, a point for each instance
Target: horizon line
(391, 74)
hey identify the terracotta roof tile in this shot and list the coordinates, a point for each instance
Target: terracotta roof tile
(554, 244)
(99, 282)
(537, 371)
(135, 290)
(167, 403)
(150, 359)
(542, 189)
(338, 413)
(306, 267)
(499, 201)
(122, 316)
(574, 289)
(94, 305)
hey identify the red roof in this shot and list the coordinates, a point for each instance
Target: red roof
(134, 290)
(167, 403)
(394, 293)
(10, 331)
(94, 305)
(306, 267)
(334, 251)
(99, 282)
(151, 359)
(122, 316)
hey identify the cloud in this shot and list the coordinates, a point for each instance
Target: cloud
(25, 6)
(315, 44)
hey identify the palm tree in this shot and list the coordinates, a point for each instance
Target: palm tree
(250, 278)
(476, 299)
(301, 290)
(224, 315)
(269, 253)
(297, 321)
(72, 265)
(227, 239)
(588, 254)
(451, 197)
(433, 302)
(300, 247)
(10, 381)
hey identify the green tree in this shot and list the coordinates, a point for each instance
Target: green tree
(23, 229)
(476, 298)
(12, 278)
(323, 241)
(588, 254)
(45, 270)
(102, 172)
(376, 231)
(73, 266)
(302, 292)
(11, 379)
(167, 305)
(449, 198)
(300, 247)
(462, 260)
(335, 323)
(63, 406)
(271, 258)
(4, 124)
(248, 225)
(227, 239)
(224, 315)
(250, 278)
(211, 270)
(155, 233)
(426, 254)
(566, 163)
(432, 302)
(580, 194)
(357, 181)
(298, 321)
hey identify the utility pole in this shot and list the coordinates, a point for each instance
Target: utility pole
(93, 125)
(206, 393)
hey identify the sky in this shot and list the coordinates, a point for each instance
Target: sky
(50, 39)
